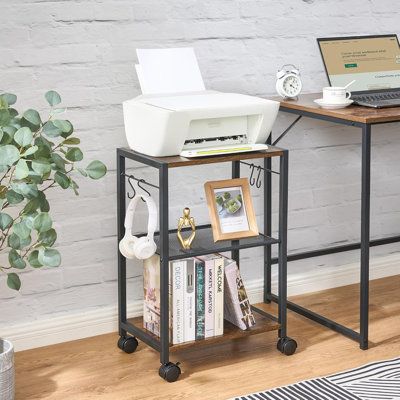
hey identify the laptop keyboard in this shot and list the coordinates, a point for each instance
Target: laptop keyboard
(376, 96)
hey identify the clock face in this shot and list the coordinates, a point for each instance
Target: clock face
(291, 85)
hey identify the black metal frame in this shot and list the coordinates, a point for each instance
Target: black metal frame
(364, 245)
(162, 344)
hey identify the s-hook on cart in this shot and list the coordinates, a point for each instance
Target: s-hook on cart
(168, 247)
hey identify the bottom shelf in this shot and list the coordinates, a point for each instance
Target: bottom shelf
(263, 324)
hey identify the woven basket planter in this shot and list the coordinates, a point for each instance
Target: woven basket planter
(6, 370)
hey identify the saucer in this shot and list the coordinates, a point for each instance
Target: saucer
(333, 106)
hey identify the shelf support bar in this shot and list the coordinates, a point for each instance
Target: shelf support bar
(164, 265)
(121, 208)
(235, 174)
(283, 134)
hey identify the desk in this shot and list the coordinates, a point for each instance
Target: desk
(363, 118)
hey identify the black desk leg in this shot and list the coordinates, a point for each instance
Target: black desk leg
(121, 207)
(365, 234)
(267, 224)
(282, 263)
(164, 265)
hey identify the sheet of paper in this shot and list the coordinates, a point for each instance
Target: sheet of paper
(169, 71)
(141, 78)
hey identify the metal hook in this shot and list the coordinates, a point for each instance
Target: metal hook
(258, 183)
(252, 180)
(133, 188)
(141, 187)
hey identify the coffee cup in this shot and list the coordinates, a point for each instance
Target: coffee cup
(335, 94)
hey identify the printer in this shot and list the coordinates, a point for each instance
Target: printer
(198, 124)
(176, 115)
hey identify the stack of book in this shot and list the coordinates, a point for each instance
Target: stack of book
(203, 292)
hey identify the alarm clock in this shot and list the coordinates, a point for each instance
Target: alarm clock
(288, 82)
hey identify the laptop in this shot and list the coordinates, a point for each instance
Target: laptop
(372, 61)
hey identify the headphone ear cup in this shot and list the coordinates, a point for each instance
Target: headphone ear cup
(144, 247)
(126, 246)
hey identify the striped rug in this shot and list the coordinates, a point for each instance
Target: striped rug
(375, 381)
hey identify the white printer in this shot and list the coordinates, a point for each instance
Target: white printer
(199, 123)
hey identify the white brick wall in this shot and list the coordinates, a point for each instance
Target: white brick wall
(86, 50)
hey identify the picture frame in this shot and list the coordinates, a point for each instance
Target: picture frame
(231, 209)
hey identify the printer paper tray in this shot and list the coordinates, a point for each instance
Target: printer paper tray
(213, 151)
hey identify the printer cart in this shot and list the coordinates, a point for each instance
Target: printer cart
(168, 247)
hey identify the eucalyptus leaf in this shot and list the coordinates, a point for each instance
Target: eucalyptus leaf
(31, 206)
(21, 230)
(58, 161)
(96, 169)
(13, 197)
(48, 238)
(33, 259)
(62, 179)
(44, 204)
(23, 136)
(41, 167)
(9, 154)
(33, 117)
(42, 222)
(72, 141)
(28, 190)
(49, 257)
(4, 117)
(29, 151)
(64, 125)
(30, 218)
(21, 169)
(74, 154)
(13, 281)
(5, 221)
(53, 98)
(51, 130)
(3, 191)
(16, 260)
(9, 98)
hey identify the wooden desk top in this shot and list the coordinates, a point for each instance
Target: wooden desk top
(364, 115)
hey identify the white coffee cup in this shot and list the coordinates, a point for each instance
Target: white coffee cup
(335, 94)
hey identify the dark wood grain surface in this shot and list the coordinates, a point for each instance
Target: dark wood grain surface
(352, 113)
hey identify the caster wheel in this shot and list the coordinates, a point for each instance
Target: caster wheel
(128, 344)
(287, 346)
(170, 371)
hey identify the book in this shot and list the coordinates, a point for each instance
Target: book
(200, 303)
(209, 272)
(178, 276)
(237, 307)
(151, 294)
(219, 295)
(189, 300)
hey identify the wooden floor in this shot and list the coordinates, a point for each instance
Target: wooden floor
(95, 369)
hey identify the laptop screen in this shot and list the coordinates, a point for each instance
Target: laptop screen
(372, 61)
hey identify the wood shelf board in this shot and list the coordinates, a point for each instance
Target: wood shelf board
(231, 332)
(361, 114)
(177, 161)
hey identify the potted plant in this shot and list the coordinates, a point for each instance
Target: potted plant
(36, 155)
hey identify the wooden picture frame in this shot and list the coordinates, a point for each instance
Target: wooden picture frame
(231, 209)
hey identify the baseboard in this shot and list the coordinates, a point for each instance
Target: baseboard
(96, 322)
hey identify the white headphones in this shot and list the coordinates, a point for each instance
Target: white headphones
(139, 247)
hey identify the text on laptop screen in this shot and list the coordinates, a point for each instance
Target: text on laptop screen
(374, 62)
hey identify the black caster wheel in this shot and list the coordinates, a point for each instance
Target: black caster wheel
(287, 346)
(170, 372)
(128, 344)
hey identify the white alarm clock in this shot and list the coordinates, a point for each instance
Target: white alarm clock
(288, 82)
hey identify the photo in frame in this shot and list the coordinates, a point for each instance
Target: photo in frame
(231, 209)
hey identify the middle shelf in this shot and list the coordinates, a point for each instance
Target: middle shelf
(204, 244)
